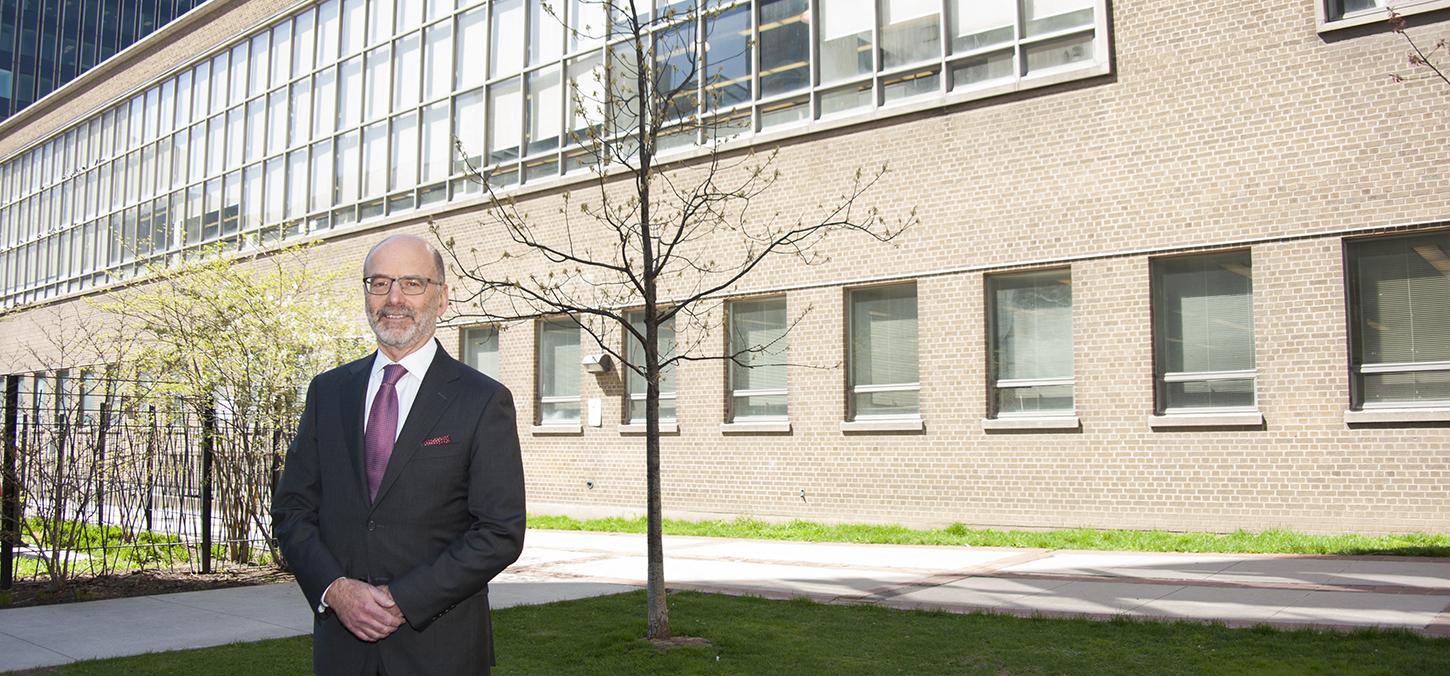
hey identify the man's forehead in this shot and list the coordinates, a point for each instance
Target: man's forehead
(400, 253)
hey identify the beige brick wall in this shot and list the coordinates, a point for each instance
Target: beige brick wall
(1224, 126)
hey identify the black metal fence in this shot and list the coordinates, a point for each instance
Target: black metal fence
(96, 482)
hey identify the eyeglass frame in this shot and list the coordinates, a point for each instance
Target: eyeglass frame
(368, 284)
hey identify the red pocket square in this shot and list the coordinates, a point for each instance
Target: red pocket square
(439, 441)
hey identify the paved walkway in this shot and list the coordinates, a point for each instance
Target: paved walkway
(1236, 589)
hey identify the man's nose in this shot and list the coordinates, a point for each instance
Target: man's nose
(395, 292)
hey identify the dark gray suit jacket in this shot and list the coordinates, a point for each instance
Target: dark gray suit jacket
(448, 517)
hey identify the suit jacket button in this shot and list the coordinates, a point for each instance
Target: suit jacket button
(371, 526)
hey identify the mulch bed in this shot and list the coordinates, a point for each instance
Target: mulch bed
(137, 583)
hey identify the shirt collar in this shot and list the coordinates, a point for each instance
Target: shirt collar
(416, 362)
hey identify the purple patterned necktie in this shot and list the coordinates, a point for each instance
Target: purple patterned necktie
(382, 427)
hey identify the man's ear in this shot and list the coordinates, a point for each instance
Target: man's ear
(443, 300)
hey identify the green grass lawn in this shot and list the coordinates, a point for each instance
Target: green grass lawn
(756, 636)
(1244, 542)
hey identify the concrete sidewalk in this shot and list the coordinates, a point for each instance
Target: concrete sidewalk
(1236, 589)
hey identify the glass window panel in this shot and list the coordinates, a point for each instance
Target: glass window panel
(883, 350)
(546, 100)
(300, 120)
(380, 21)
(201, 91)
(153, 111)
(504, 123)
(346, 176)
(983, 68)
(784, 46)
(303, 36)
(1413, 387)
(375, 160)
(727, 58)
(845, 39)
(982, 23)
(231, 203)
(211, 216)
(1048, 16)
(197, 153)
(586, 24)
(404, 164)
(546, 33)
(221, 75)
(1204, 311)
(558, 370)
(251, 211)
(297, 184)
(506, 49)
(468, 129)
(406, 75)
(241, 62)
(846, 99)
(236, 137)
(329, 23)
(215, 139)
(676, 67)
(183, 107)
(586, 97)
(261, 63)
(910, 31)
(437, 61)
(1401, 296)
(276, 191)
(437, 143)
(324, 115)
(379, 82)
(1034, 400)
(410, 14)
(281, 54)
(256, 129)
(472, 30)
(1031, 316)
(277, 121)
(759, 349)
(1209, 394)
(1060, 52)
(322, 167)
(480, 350)
(634, 381)
(353, 22)
(349, 94)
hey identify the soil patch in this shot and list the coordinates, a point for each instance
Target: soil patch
(137, 583)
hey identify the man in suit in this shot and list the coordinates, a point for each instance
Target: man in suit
(403, 492)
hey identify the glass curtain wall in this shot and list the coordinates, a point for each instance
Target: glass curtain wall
(352, 110)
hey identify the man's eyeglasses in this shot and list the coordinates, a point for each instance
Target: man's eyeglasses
(379, 285)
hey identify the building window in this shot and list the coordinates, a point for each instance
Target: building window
(1203, 330)
(558, 372)
(758, 348)
(1399, 299)
(480, 349)
(634, 382)
(1031, 343)
(882, 353)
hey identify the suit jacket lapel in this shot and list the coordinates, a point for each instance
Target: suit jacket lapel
(434, 395)
(353, 404)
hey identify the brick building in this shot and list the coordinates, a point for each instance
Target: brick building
(1178, 265)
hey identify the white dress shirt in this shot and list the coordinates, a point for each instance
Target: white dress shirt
(417, 363)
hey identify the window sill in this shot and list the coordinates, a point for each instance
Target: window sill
(1172, 420)
(1380, 17)
(1397, 415)
(544, 430)
(666, 427)
(896, 425)
(761, 427)
(1061, 422)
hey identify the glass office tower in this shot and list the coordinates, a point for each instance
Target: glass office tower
(47, 43)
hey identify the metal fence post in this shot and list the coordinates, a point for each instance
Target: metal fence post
(208, 441)
(10, 522)
(101, 430)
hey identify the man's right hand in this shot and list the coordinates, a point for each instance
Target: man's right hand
(367, 611)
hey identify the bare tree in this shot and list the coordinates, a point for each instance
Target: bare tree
(1421, 61)
(653, 244)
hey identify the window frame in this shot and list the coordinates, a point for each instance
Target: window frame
(539, 398)
(994, 383)
(853, 389)
(1162, 377)
(1353, 318)
(731, 393)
